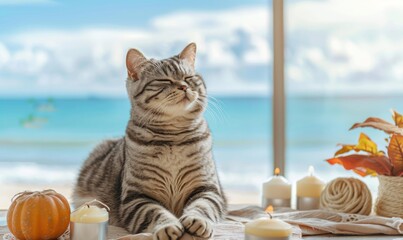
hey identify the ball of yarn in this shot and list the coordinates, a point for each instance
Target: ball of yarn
(347, 195)
(390, 197)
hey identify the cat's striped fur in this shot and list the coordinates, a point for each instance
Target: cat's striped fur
(160, 177)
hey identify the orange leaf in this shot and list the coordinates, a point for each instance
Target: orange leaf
(364, 164)
(398, 118)
(364, 144)
(380, 124)
(365, 172)
(395, 153)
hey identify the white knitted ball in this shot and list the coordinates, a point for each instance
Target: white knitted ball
(346, 195)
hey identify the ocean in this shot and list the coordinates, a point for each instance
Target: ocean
(46, 140)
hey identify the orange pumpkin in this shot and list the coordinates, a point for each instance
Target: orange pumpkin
(38, 215)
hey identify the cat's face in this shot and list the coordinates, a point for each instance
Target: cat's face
(166, 88)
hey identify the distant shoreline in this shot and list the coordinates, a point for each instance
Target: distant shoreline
(290, 96)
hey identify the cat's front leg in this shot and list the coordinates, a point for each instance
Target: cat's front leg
(201, 212)
(145, 215)
(170, 229)
(197, 225)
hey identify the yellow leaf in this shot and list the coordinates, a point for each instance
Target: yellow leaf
(344, 149)
(364, 144)
(398, 118)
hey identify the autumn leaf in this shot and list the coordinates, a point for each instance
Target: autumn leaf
(380, 124)
(397, 118)
(364, 144)
(369, 172)
(364, 164)
(395, 152)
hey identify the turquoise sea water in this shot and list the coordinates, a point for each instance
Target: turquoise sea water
(46, 140)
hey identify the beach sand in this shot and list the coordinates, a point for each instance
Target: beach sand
(7, 191)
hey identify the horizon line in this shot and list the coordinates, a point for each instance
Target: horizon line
(313, 96)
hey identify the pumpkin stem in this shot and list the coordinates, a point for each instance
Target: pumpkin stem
(20, 194)
(48, 191)
(15, 195)
(24, 193)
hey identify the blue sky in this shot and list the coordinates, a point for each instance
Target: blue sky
(22, 15)
(77, 48)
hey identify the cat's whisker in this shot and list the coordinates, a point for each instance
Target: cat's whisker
(216, 117)
(147, 114)
(143, 118)
(152, 113)
(219, 104)
(214, 106)
(204, 104)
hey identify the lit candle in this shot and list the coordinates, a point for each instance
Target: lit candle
(309, 189)
(276, 191)
(89, 222)
(267, 228)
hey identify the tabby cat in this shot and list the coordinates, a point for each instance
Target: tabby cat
(160, 177)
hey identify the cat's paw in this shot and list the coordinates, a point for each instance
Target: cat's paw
(198, 226)
(168, 232)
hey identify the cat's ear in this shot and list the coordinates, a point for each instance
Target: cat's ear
(134, 60)
(188, 54)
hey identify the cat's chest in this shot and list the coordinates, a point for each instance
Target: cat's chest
(180, 163)
(173, 156)
(179, 172)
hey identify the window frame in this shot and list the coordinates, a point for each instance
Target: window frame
(279, 103)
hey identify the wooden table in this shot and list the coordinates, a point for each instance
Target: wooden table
(3, 222)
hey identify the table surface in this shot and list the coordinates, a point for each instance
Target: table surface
(3, 222)
(329, 237)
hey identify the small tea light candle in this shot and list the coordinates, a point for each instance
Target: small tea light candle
(267, 228)
(309, 189)
(276, 191)
(89, 222)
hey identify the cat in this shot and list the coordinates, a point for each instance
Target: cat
(160, 177)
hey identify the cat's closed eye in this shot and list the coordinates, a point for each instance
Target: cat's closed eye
(188, 78)
(193, 81)
(160, 83)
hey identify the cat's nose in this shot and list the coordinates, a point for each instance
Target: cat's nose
(183, 87)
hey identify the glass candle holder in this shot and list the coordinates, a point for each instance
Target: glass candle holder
(89, 221)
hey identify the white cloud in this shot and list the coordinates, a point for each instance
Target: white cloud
(251, 19)
(219, 54)
(344, 47)
(91, 61)
(260, 53)
(333, 45)
(357, 14)
(4, 55)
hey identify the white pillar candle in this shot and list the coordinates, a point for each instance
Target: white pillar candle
(89, 222)
(276, 191)
(309, 189)
(89, 214)
(267, 229)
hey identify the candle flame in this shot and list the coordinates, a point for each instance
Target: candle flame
(269, 209)
(277, 171)
(311, 170)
